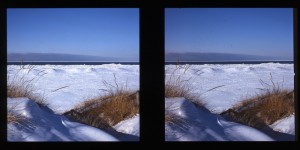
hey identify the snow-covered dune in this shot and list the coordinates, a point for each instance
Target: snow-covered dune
(63, 87)
(41, 124)
(198, 124)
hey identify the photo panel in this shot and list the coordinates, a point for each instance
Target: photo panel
(229, 74)
(73, 74)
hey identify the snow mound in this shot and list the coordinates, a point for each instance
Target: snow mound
(43, 125)
(201, 125)
(129, 126)
(285, 125)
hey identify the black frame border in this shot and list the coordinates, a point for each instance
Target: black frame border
(151, 54)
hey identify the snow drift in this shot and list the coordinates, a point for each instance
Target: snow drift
(201, 125)
(41, 124)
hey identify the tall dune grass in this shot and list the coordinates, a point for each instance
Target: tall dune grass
(177, 86)
(264, 109)
(107, 110)
(20, 85)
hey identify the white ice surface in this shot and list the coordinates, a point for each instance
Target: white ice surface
(80, 82)
(238, 81)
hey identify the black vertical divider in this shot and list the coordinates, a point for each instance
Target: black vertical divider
(3, 72)
(296, 70)
(151, 74)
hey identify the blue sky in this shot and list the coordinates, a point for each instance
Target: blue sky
(108, 32)
(255, 31)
